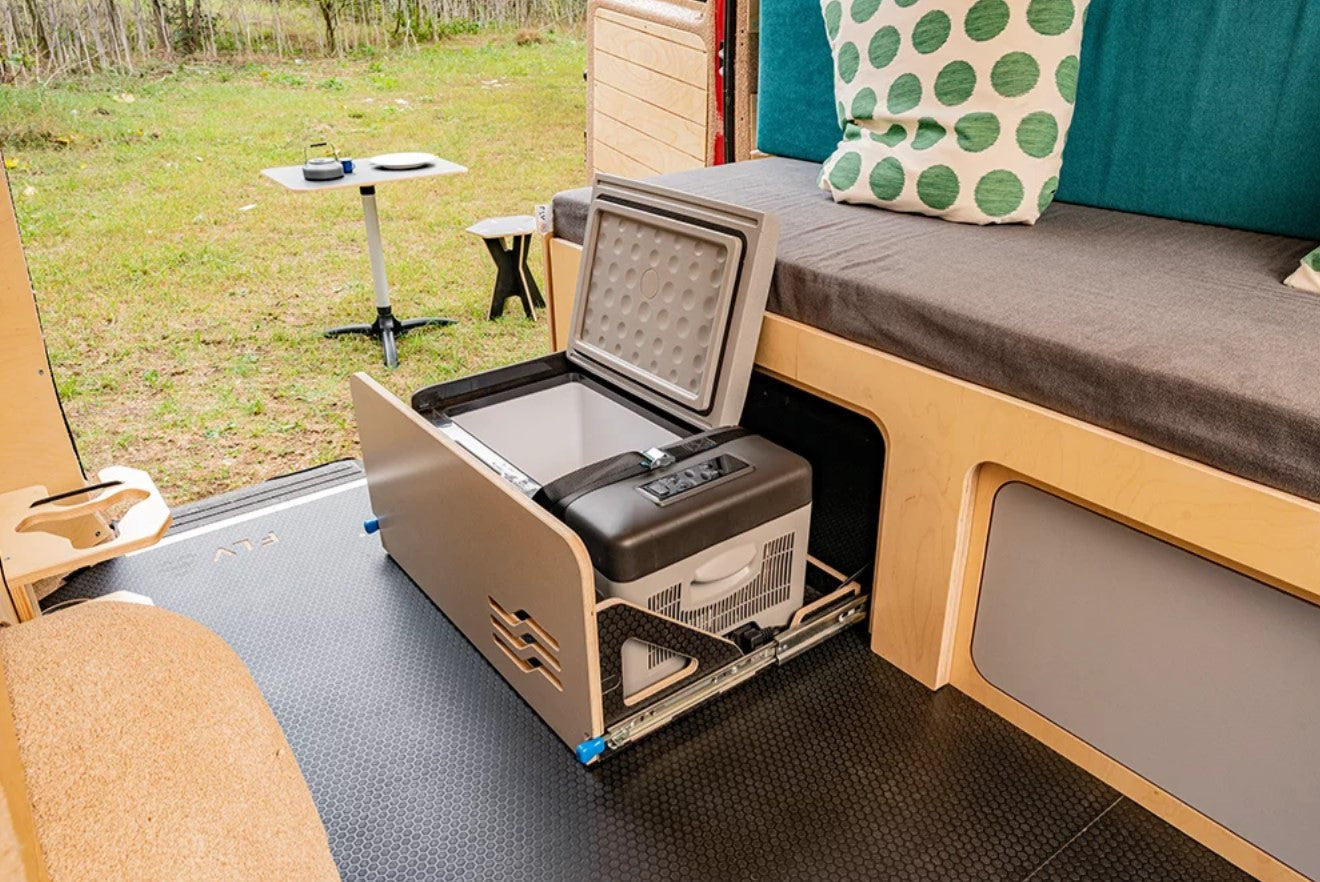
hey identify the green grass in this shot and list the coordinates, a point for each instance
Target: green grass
(185, 331)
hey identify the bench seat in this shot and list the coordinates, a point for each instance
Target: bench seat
(1177, 334)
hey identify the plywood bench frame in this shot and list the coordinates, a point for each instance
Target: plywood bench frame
(950, 445)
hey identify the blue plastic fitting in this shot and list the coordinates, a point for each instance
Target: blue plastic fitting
(371, 525)
(590, 749)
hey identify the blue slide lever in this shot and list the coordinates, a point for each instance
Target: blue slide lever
(590, 749)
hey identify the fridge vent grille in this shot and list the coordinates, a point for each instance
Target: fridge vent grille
(771, 586)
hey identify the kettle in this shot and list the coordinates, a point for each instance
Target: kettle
(322, 168)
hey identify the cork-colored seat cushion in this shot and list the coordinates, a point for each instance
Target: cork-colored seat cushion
(150, 754)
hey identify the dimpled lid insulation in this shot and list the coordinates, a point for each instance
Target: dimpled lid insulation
(670, 294)
(656, 302)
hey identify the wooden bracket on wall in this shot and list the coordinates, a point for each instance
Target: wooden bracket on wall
(53, 520)
(43, 536)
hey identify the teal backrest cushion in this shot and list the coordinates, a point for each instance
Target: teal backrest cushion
(1200, 110)
(1204, 110)
(795, 113)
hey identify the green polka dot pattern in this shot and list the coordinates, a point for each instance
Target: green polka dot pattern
(999, 193)
(938, 187)
(977, 131)
(1050, 17)
(846, 170)
(1047, 191)
(1065, 78)
(884, 46)
(954, 83)
(1037, 134)
(904, 94)
(1307, 276)
(1014, 75)
(985, 20)
(863, 106)
(929, 133)
(954, 108)
(833, 18)
(862, 10)
(849, 61)
(892, 136)
(931, 32)
(887, 179)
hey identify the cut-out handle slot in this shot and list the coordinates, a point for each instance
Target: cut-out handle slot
(70, 494)
(47, 535)
(521, 621)
(527, 666)
(528, 645)
(52, 516)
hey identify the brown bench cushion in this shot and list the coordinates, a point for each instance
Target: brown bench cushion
(1177, 334)
(150, 754)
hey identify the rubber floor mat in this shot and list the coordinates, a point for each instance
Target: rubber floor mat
(426, 766)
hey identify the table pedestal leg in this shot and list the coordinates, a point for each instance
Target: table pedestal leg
(386, 328)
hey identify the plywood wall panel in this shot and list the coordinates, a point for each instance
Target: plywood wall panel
(677, 131)
(644, 148)
(35, 447)
(654, 88)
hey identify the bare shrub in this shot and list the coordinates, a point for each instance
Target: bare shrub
(50, 38)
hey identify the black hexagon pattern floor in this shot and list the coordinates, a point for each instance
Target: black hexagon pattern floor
(426, 766)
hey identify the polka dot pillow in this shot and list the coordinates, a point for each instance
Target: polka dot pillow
(952, 108)
(1307, 276)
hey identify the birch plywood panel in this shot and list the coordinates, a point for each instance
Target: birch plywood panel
(682, 37)
(650, 72)
(613, 162)
(683, 99)
(644, 148)
(682, 133)
(527, 606)
(35, 447)
(652, 51)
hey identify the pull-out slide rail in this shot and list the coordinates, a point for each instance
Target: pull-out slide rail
(831, 620)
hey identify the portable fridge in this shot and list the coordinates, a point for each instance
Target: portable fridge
(594, 521)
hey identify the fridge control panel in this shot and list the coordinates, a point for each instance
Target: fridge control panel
(693, 478)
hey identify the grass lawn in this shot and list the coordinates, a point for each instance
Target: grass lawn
(183, 294)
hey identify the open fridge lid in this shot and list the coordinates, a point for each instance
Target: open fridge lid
(670, 295)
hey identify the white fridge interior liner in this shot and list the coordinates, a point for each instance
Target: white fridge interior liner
(554, 431)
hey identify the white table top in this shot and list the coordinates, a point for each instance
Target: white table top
(364, 175)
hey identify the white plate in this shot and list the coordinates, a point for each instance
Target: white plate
(403, 161)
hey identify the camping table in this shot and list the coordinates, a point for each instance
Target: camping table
(365, 177)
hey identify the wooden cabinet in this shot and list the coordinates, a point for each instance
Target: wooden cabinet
(653, 85)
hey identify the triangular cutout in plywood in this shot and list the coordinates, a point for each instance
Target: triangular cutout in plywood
(649, 669)
(619, 622)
